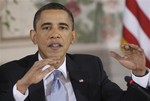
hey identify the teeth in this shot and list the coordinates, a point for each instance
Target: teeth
(55, 45)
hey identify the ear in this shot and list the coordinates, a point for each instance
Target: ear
(33, 36)
(74, 35)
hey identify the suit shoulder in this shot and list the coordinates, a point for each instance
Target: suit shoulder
(20, 62)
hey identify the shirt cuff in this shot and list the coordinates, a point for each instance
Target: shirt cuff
(18, 96)
(142, 81)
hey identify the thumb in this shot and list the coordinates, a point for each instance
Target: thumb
(115, 55)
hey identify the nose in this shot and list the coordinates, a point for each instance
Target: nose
(55, 34)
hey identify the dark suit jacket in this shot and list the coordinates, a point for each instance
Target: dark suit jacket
(96, 85)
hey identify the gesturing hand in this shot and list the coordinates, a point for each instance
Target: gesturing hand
(36, 73)
(133, 59)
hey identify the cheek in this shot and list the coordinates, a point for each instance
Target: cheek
(42, 40)
(67, 39)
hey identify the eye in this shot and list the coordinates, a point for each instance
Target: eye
(64, 27)
(46, 28)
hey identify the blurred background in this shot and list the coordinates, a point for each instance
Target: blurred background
(98, 24)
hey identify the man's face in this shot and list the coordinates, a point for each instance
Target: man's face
(53, 33)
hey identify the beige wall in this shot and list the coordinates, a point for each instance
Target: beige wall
(15, 50)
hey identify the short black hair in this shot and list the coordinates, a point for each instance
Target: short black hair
(52, 6)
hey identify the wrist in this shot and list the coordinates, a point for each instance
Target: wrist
(140, 73)
(22, 86)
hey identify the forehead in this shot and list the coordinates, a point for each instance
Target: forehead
(54, 16)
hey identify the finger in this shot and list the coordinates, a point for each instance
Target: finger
(115, 55)
(47, 70)
(126, 48)
(40, 64)
(136, 48)
(45, 67)
(131, 48)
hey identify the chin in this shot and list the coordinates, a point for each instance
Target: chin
(53, 55)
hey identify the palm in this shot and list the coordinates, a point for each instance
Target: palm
(133, 61)
(133, 58)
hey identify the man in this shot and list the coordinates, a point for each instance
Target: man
(29, 79)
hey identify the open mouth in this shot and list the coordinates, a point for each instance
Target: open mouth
(55, 45)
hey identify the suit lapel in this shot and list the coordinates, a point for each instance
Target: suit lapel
(78, 79)
(37, 92)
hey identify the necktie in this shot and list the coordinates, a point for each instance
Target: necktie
(58, 91)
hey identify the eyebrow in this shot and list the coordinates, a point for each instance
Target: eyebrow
(48, 23)
(64, 24)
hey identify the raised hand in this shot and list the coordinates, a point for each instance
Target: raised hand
(133, 59)
(36, 73)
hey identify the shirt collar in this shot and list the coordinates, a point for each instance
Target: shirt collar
(62, 68)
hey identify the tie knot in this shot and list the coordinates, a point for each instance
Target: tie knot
(56, 74)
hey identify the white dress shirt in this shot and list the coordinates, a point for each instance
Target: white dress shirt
(142, 81)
